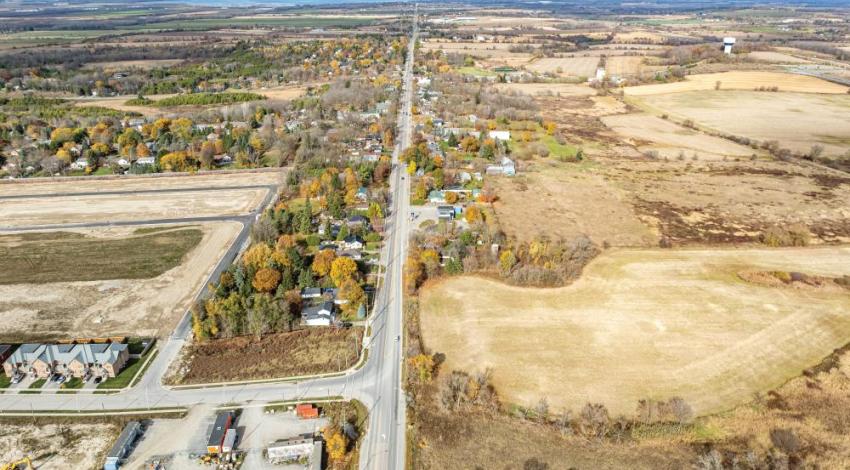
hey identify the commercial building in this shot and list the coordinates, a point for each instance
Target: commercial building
(123, 446)
(223, 422)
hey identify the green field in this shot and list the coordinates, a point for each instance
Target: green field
(66, 256)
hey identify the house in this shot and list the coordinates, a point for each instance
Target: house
(437, 197)
(76, 360)
(223, 422)
(123, 446)
(356, 255)
(353, 242)
(306, 411)
(507, 168)
(5, 351)
(319, 315)
(445, 212)
(311, 293)
(145, 161)
(79, 164)
(296, 450)
(327, 245)
(362, 194)
(500, 135)
(357, 220)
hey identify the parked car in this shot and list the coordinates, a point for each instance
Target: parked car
(98, 379)
(17, 378)
(55, 377)
(61, 379)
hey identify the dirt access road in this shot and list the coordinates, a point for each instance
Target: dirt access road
(644, 324)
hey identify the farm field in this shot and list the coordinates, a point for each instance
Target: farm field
(119, 302)
(569, 204)
(57, 446)
(567, 66)
(125, 207)
(683, 318)
(624, 65)
(548, 89)
(796, 120)
(304, 352)
(160, 182)
(741, 81)
(776, 57)
(650, 133)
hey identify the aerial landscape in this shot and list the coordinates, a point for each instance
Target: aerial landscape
(435, 235)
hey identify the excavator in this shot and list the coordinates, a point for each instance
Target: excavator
(23, 464)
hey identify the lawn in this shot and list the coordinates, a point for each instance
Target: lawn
(73, 383)
(5, 382)
(66, 256)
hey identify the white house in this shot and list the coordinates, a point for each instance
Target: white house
(79, 164)
(500, 135)
(319, 315)
(145, 161)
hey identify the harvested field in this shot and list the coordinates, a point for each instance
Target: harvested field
(624, 66)
(638, 37)
(304, 352)
(776, 57)
(129, 183)
(649, 133)
(567, 203)
(548, 89)
(796, 120)
(283, 92)
(741, 81)
(118, 103)
(57, 446)
(69, 256)
(134, 64)
(644, 324)
(118, 306)
(126, 207)
(567, 66)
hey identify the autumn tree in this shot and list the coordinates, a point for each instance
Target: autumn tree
(423, 364)
(322, 262)
(257, 256)
(266, 280)
(414, 273)
(343, 268)
(335, 444)
(473, 214)
(353, 294)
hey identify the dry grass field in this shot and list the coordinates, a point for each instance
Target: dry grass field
(776, 57)
(624, 66)
(650, 133)
(545, 90)
(286, 92)
(567, 204)
(645, 324)
(143, 307)
(741, 81)
(796, 120)
(567, 66)
(134, 64)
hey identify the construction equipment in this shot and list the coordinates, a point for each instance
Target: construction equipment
(23, 464)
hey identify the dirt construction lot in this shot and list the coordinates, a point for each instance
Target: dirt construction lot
(122, 207)
(645, 324)
(57, 446)
(143, 307)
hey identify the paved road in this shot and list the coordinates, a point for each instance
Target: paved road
(377, 384)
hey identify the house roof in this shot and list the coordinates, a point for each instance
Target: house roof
(322, 310)
(353, 239)
(98, 353)
(357, 218)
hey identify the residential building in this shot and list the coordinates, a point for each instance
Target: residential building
(5, 351)
(76, 360)
(223, 422)
(321, 314)
(353, 242)
(445, 212)
(123, 446)
(311, 293)
(500, 135)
